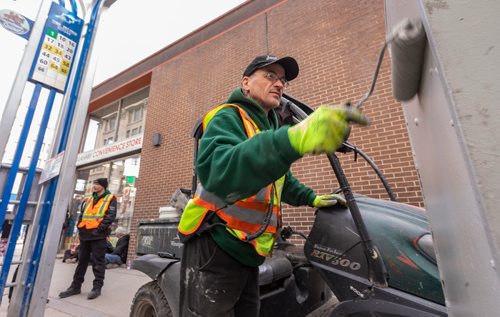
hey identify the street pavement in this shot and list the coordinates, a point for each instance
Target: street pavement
(120, 285)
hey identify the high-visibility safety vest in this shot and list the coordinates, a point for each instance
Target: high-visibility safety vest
(244, 217)
(93, 214)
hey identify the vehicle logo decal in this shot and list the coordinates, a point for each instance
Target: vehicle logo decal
(334, 257)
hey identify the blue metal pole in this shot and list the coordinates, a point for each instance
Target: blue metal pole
(18, 221)
(75, 8)
(19, 152)
(79, 71)
(52, 186)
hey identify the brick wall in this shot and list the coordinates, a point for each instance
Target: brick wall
(336, 44)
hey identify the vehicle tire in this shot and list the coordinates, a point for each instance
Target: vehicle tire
(150, 301)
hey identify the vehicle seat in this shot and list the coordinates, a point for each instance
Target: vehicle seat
(274, 269)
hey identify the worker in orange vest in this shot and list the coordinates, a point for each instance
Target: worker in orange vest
(98, 213)
(243, 162)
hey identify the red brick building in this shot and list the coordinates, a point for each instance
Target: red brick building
(336, 44)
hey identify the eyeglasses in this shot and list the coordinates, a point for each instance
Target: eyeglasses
(274, 78)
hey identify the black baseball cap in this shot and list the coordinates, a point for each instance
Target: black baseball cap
(102, 181)
(288, 63)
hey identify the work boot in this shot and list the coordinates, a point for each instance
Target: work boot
(70, 292)
(94, 293)
(112, 266)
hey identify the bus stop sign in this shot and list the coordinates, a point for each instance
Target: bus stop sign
(55, 54)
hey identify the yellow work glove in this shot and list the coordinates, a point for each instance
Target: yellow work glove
(328, 200)
(325, 129)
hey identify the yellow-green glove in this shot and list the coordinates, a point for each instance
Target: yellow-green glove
(325, 129)
(328, 200)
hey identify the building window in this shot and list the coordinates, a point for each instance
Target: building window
(108, 140)
(135, 131)
(135, 114)
(110, 124)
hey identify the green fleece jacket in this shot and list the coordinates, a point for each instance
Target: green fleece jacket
(234, 167)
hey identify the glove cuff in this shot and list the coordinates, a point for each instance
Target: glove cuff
(295, 138)
(315, 201)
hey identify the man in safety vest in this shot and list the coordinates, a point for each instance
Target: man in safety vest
(98, 213)
(243, 164)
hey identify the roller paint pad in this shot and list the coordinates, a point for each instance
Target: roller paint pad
(407, 51)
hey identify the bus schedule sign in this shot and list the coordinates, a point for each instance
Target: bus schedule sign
(55, 55)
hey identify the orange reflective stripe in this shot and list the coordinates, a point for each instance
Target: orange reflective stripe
(251, 125)
(249, 128)
(203, 203)
(238, 224)
(268, 192)
(260, 206)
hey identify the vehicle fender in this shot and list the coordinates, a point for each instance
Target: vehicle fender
(153, 265)
(170, 283)
(167, 273)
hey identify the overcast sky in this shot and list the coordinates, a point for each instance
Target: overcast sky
(136, 29)
(129, 31)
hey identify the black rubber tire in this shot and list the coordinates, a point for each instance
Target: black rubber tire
(149, 301)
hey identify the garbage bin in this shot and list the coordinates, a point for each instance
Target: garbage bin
(159, 236)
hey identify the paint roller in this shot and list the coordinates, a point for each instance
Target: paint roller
(407, 44)
(407, 52)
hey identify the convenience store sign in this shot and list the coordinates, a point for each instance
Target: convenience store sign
(110, 151)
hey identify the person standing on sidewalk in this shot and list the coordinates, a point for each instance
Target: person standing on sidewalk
(99, 212)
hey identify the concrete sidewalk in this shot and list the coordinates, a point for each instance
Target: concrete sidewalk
(119, 288)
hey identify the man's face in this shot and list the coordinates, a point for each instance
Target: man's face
(97, 188)
(260, 87)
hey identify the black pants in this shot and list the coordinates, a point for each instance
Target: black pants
(96, 249)
(215, 284)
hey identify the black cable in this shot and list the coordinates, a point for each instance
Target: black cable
(267, 219)
(379, 173)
